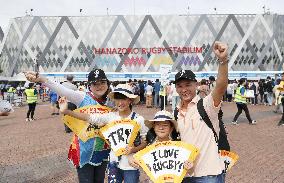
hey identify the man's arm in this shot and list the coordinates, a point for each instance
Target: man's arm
(221, 51)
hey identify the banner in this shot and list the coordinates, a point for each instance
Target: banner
(81, 128)
(229, 159)
(163, 161)
(120, 134)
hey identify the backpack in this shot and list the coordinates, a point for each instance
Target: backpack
(222, 139)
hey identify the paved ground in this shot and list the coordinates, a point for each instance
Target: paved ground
(36, 151)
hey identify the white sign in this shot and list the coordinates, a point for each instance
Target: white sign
(165, 71)
(120, 134)
(163, 161)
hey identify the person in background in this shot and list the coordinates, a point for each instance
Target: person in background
(203, 89)
(269, 90)
(212, 83)
(149, 91)
(54, 102)
(230, 91)
(175, 97)
(261, 90)
(241, 102)
(31, 94)
(157, 87)
(277, 95)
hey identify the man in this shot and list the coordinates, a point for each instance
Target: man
(269, 89)
(149, 91)
(208, 166)
(157, 87)
(69, 84)
(281, 89)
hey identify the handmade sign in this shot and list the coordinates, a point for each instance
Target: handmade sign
(229, 159)
(81, 128)
(120, 134)
(163, 161)
(5, 106)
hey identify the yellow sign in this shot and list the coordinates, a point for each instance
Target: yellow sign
(163, 161)
(81, 128)
(229, 159)
(120, 134)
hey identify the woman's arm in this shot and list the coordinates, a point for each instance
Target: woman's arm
(63, 105)
(75, 97)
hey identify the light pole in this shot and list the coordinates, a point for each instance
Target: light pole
(264, 9)
(107, 11)
(134, 6)
(188, 10)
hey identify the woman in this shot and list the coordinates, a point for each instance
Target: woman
(90, 160)
(123, 97)
(162, 128)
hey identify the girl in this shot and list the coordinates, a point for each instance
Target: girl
(89, 160)
(161, 128)
(119, 169)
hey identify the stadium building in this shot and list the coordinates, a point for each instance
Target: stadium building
(137, 46)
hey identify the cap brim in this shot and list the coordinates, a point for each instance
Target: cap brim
(135, 98)
(150, 123)
(184, 78)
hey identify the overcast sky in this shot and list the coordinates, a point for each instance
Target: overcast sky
(17, 8)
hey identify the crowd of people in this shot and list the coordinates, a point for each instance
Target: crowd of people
(184, 122)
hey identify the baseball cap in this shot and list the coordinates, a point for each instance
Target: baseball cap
(184, 74)
(97, 75)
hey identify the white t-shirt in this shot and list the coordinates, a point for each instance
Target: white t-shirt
(103, 119)
(149, 90)
(230, 89)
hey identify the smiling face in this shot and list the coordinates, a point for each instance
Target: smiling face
(99, 88)
(122, 104)
(163, 129)
(186, 89)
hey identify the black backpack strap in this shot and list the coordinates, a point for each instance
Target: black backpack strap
(204, 116)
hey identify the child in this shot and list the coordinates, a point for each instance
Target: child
(161, 128)
(119, 169)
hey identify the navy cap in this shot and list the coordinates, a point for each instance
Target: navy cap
(97, 75)
(184, 74)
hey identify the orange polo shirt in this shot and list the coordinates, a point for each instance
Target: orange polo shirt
(193, 130)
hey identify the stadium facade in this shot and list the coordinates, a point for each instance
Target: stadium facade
(140, 44)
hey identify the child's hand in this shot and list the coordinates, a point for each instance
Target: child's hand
(187, 165)
(63, 105)
(133, 162)
(129, 150)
